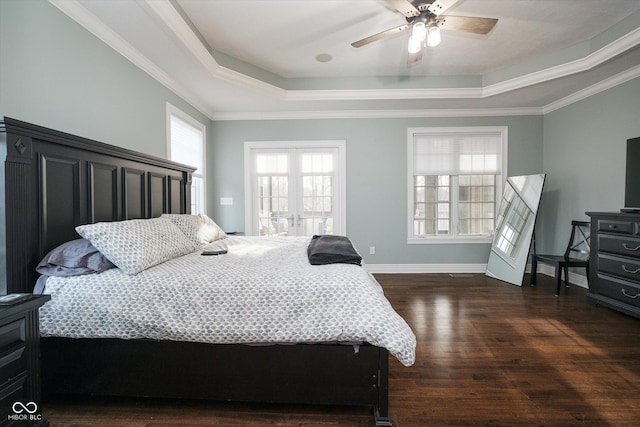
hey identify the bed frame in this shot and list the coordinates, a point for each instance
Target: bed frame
(54, 181)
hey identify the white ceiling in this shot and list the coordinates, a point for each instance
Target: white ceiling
(244, 59)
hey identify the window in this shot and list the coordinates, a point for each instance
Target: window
(186, 144)
(455, 182)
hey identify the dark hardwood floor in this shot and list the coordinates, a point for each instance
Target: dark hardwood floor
(489, 354)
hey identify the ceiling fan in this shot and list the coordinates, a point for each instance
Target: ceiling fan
(425, 18)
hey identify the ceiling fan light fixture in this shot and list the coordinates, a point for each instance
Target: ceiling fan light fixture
(433, 35)
(419, 31)
(415, 45)
(423, 19)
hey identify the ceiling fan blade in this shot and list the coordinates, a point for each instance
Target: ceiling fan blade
(415, 57)
(467, 23)
(404, 6)
(438, 7)
(379, 36)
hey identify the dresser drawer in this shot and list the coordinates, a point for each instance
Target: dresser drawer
(620, 290)
(627, 246)
(616, 226)
(628, 268)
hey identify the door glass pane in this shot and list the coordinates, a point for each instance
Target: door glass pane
(317, 206)
(273, 194)
(317, 193)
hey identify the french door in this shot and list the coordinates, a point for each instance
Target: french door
(295, 188)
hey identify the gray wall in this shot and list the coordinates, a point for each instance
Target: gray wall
(56, 74)
(376, 177)
(584, 158)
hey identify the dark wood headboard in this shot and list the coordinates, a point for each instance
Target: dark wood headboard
(54, 181)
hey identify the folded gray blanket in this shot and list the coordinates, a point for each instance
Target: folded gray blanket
(330, 249)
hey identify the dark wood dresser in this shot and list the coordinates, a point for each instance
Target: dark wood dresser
(614, 270)
(20, 363)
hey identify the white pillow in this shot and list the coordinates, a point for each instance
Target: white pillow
(200, 229)
(137, 244)
(210, 231)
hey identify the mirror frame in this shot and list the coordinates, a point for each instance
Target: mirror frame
(514, 228)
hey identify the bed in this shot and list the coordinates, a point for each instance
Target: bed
(55, 182)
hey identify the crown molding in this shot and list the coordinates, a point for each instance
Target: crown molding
(590, 61)
(176, 24)
(95, 26)
(375, 114)
(601, 86)
(384, 94)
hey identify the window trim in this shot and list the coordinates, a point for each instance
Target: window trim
(451, 239)
(175, 111)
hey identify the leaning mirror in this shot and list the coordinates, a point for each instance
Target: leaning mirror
(514, 228)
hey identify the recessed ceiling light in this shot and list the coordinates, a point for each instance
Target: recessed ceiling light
(324, 57)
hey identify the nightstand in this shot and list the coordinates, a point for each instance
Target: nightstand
(20, 363)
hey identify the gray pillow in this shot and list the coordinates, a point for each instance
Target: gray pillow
(74, 258)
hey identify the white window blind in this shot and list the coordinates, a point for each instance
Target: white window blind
(457, 154)
(187, 146)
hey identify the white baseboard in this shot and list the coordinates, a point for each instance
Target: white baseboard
(574, 278)
(425, 268)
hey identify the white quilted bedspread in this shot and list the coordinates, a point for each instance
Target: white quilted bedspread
(262, 291)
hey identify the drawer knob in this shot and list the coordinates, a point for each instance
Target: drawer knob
(624, 267)
(628, 295)
(629, 248)
(612, 226)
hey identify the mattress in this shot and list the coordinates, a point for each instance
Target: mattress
(263, 290)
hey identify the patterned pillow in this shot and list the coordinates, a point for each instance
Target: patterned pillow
(137, 244)
(200, 229)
